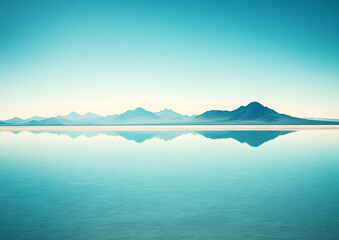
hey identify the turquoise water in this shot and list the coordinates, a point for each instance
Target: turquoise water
(169, 185)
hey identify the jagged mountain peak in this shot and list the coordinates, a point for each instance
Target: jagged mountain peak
(15, 119)
(137, 114)
(169, 114)
(90, 114)
(73, 114)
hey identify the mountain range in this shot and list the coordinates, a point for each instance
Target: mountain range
(252, 114)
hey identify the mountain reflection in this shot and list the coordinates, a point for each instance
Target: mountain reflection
(253, 138)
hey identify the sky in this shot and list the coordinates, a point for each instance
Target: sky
(190, 56)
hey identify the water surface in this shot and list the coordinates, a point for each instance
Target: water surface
(192, 184)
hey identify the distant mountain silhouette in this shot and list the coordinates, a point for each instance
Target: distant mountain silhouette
(51, 121)
(34, 119)
(253, 113)
(71, 119)
(73, 116)
(252, 138)
(137, 115)
(15, 121)
(76, 117)
(323, 119)
(170, 115)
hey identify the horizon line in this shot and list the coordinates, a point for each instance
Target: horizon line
(163, 109)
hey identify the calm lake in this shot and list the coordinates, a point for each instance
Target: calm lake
(173, 184)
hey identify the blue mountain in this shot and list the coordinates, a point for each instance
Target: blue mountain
(51, 121)
(35, 118)
(324, 119)
(72, 118)
(170, 115)
(15, 121)
(137, 115)
(253, 113)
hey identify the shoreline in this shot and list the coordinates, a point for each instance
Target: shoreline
(171, 128)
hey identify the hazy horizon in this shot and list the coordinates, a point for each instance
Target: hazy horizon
(107, 57)
(162, 109)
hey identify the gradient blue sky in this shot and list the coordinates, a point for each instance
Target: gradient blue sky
(190, 56)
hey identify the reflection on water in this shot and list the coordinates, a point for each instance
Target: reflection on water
(192, 185)
(251, 137)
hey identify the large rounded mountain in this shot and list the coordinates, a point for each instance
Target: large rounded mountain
(253, 113)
